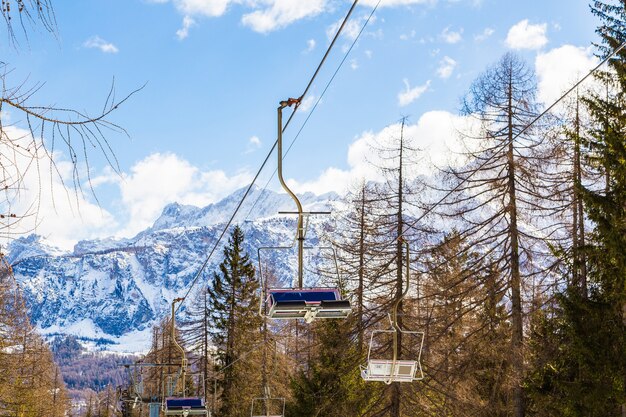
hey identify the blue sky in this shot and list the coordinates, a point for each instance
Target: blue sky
(216, 70)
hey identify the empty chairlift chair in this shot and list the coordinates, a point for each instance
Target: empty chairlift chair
(181, 406)
(392, 368)
(192, 406)
(306, 303)
(299, 302)
(267, 407)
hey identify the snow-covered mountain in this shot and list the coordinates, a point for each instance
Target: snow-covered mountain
(116, 289)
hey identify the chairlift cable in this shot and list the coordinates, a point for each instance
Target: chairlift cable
(269, 154)
(428, 210)
(376, 371)
(317, 102)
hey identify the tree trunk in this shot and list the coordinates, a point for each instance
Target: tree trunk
(516, 299)
(396, 392)
(361, 271)
(579, 273)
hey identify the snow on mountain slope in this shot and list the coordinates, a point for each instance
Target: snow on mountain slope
(118, 289)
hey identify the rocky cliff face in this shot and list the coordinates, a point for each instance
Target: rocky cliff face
(114, 289)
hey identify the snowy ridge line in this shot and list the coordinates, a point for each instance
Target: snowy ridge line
(118, 289)
(82, 254)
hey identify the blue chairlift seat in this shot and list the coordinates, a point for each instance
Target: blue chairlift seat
(307, 304)
(190, 406)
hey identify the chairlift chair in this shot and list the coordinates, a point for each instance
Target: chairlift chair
(306, 303)
(273, 407)
(181, 406)
(185, 406)
(394, 369)
(299, 302)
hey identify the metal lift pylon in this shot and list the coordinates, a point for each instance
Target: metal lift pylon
(308, 303)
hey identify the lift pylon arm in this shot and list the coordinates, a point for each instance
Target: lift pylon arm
(183, 364)
(300, 237)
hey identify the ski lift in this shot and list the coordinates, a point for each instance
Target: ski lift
(182, 406)
(299, 302)
(191, 406)
(267, 406)
(394, 369)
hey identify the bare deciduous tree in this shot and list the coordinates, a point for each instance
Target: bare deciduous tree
(32, 135)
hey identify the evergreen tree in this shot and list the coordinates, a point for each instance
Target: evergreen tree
(587, 375)
(330, 384)
(233, 311)
(582, 371)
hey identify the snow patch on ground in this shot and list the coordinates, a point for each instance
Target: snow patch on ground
(136, 342)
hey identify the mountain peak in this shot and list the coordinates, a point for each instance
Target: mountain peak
(31, 246)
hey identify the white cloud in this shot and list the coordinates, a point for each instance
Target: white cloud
(183, 32)
(560, 68)
(406, 37)
(254, 143)
(435, 135)
(160, 179)
(523, 35)
(254, 140)
(209, 8)
(484, 35)
(281, 13)
(369, 54)
(351, 29)
(395, 3)
(308, 102)
(409, 95)
(44, 203)
(310, 45)
(65, 217)
(99, 43)
(450, 36)
(354, 64)
(446, 67)
(268, 15)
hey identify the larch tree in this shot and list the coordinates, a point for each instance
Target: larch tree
(494, 195)
(357, 239)
(465, 341)
(30, 384)
(397, 202)
(30, 144)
